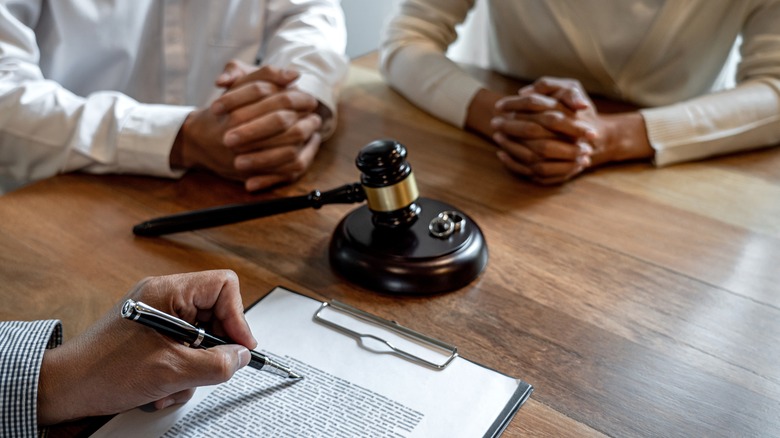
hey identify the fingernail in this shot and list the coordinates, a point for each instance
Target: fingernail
(586, 148)
(231, 139)
(584, 160)
(496, 122)
(289, 74)
(500, 138)
(243, 357)
(252, 185)
(166, 403)
(224, 77)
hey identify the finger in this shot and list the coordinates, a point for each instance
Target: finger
(586, 151)
(216, 291)
(262, 182)
(289, 172)
(522, 126)
(297, 135)
(555, 149)
(266, 160)
(531, 102)
(174, 399)
(531, 151)
(574, 98)
(516, 150)
(547, 124)
(549, 84)
(234, 70)
(211, 366)
(242, 95)
(543, 171)
(283, 159)
(243, 136)
(514, 166)
(292, 100)
(564, 90)
(281, 77)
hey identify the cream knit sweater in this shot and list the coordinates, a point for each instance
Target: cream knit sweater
(676, 59)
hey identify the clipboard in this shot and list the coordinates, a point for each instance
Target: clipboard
(422, 352)
(392, 338)
(361, 372)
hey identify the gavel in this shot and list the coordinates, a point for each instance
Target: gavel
(386, 183)
(398, 242)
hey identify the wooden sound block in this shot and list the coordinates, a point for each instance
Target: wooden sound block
(408, 260)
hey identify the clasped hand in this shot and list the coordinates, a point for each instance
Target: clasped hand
(551, 132)
(262, 130)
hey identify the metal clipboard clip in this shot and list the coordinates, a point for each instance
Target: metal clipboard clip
(381, 336)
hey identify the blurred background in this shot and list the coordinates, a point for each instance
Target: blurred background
(366, 20)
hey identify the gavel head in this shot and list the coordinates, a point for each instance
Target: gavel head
(388, 183)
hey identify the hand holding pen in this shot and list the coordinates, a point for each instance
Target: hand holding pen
(195, 337)
(116, 365)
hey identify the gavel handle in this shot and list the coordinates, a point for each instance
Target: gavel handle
(229, 214)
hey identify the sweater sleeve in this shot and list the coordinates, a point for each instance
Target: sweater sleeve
(414, 62)
(742, 118)
(22, 344)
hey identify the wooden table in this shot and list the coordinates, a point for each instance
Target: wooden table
(637, 301)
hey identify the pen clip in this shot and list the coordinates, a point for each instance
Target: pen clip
(450, 352)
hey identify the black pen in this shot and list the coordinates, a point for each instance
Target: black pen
(195, 337)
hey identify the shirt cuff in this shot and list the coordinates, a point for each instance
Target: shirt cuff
(327, 95)
(21, 354)
(664, 131)
(146, 139)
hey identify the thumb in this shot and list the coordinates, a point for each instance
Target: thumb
(574, 98)
(232, 72)
(281, 77)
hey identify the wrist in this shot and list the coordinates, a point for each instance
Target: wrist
(481, 111)
(178, 158)
(627, 137)
(53, 403)
(327, 125)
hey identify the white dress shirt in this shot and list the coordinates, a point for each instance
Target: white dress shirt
(676, 58)
(104, 86)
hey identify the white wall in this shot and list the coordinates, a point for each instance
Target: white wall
(471, 47)
(366, 20)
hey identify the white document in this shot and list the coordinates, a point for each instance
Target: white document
(348, 389)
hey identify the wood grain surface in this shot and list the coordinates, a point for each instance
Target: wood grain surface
(638, 301)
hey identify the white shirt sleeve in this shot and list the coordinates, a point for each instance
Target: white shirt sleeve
(45, 129)
(310, 36)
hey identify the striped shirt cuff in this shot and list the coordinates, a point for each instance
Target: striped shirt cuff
(22, 344)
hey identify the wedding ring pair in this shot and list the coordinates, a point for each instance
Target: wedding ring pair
(446, 223)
